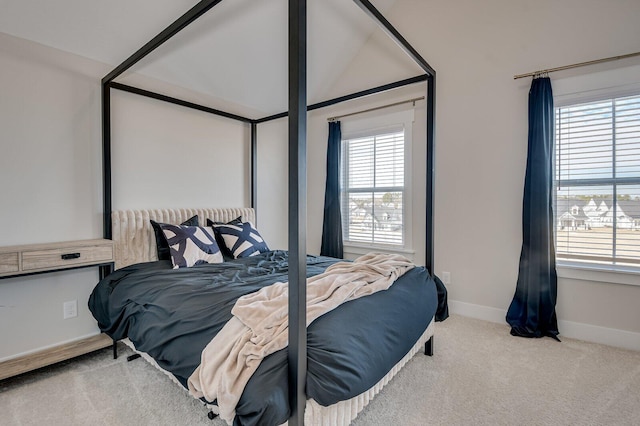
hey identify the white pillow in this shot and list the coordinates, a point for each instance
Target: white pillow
(191, 245)
(242, 240)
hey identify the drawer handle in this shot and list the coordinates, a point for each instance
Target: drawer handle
(70, 256)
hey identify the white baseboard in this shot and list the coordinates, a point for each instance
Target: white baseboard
(606, 336)
(574, 330)
(470, 310)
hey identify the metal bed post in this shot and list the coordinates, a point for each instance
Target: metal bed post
(106, 180)
(297, 349)
(254, 167)
(429, 196)
(106, 161)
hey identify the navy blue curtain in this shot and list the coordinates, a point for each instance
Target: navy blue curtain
(332, 223)
(532, 312)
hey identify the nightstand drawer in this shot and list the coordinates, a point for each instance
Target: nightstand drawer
(62, 257)
(9, 262)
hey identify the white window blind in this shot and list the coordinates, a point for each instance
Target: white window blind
(597, 204)
(373, 190)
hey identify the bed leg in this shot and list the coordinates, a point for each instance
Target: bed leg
(211, 415)
(428, 347)
(115, 350)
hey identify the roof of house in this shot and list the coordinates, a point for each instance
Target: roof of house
(629, 207)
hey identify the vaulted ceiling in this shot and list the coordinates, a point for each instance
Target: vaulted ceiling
(236, 53)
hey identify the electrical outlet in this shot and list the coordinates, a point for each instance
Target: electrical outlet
(446, 277)
(70, 309)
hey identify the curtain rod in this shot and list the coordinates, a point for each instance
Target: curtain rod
(414, 100)
(581, 64)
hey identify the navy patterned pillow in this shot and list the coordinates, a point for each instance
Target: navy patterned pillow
(191, 245)
(226, 254)
(161, 242)
(242, 240)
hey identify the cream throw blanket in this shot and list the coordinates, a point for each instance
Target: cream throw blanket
(259, 326)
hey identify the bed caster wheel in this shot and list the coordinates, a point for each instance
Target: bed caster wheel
(211, 415)
(132, 357)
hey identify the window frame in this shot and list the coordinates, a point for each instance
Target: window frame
(585, 270)
(374, 124)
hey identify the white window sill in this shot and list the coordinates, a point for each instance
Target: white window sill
(362, 249)
(599, 273)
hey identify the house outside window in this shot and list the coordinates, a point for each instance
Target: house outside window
(375, 191)
(597, 204)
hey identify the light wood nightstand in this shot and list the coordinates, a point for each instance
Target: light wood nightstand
(33, 259)
(41, 258)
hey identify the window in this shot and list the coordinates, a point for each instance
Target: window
(373, 187)
(597, 203)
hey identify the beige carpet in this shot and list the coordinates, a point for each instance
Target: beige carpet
(480, 375)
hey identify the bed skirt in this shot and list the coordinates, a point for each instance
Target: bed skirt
(339, 414)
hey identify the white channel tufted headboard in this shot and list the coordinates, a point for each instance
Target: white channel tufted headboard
(133, 237)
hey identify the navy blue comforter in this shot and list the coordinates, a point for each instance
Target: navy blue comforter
(172, 314)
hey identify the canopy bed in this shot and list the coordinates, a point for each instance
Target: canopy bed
(133, 239)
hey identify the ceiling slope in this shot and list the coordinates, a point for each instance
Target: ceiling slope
(236, 53)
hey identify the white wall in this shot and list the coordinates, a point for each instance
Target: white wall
(481, 142)
(273, 169)
(51, 156)
(51, 172)
(476, 49)
(166, 156)
(272, 201)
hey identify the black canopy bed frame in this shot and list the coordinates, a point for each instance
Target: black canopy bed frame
(297, 114)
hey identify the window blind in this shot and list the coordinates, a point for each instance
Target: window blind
(373, 188)
(597, 203)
